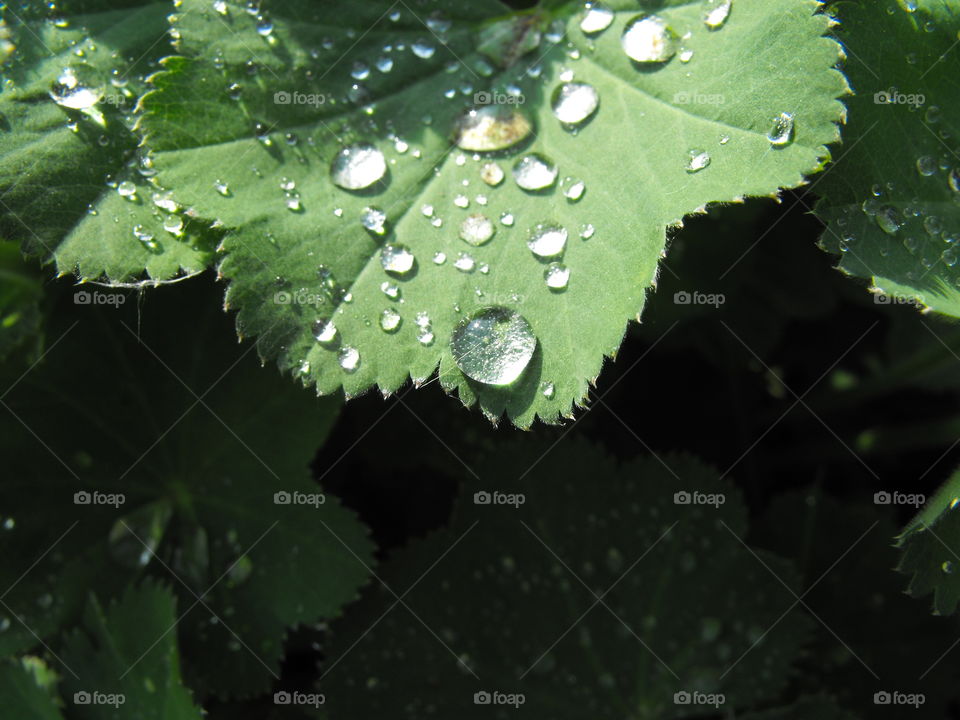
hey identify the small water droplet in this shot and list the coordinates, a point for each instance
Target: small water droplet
(557, 276)
(781, 132)
(926, 165)
(324, 331)
(586, 231)
(127, 189)
(547, 389)
(953, 180)
(390, 320)
(491, 173)
(573, 102)
(547, 240)
(494, 346)
(397, 259)
(492, 127)
(374, 220)
(464, 263)
(358, 166)
(699, 159)
(477, 229)
(349, 358)
(573, 188)
(716, 12)
(506, 219)
(534, 172)
(422, 49)
(889, 219)
(596, 19)
(221, 187)
(173, 224)
(439, 258)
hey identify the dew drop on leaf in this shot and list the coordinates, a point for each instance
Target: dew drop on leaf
(889, 219)
(586, 231)
(127, 190)
(547, 240)
(492, 174)
(492, 127)
(358, 166)
(389, 320)
(494, 346)
(557, 276)
(781, 131)
(534, 172)
(397, 259)
(477, 229)
(649, 39)
(547, 390)
(716, 12)
(374, 220)
(953, 180)
(173, 224)
(596, 18)
(699, 159)
(78, 87)
(465, 263)
(574, 102)
(573, 188)
(349, 358)
(926, 166)
(324, 331)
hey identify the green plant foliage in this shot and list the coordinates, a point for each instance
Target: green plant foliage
(606, 602)
(929, 546)
(722, 101)
(892, 201)
(20, 294)
(23, 696)
(61, 166)
(196, 441)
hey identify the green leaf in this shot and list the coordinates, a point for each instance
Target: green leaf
(20, 293)
(893, 200)
(131, 632)
(197, 439)
(601, 602)
(22, 696)
(930, 544)
(631, 156)
(60, 167)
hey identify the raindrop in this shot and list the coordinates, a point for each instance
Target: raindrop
(477, 229)
(573, 188)
(506, 219)
(597, 18)
(374, 219)
(547, 389)
(699, 159)
(926, 165)
(134, 538)
(173, 224)
(461, 201)
(144, 236)
(953, 180)
(349, 358)
(439, 258)
(360, 71)
(324, 331)
(534, 172)
(492, 127)
(547, 240)
(220, 6)
(494, 346)
(557, 276)
(492, 174)
(649, 39)
(574, 102)
(384, 64)
(390, 290)
(127, 190)
(464, 263)
(389, 320)
(358, 166)
(222, 188)
(78, 87)
(264, 26)
(716, 12)
(889, 220)
(781, 132)
(422, 49)
(397, 259)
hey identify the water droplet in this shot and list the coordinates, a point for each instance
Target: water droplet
(464, 263)
(492, 127)
(358, 166)
(596, 19)
(953, 180)
(461, 201)
(349, 358)
(506, 219)
(699, 159)
(422, 49)
(534, 172)
(220, 6)
(222, 188)
(547, 240)
(360, 70)
(573, 188)
(926, 165)
(909, 6)
(716, 12)
(724, 139)
(127, 190)
(4, 624)
(264, 26)
(477, 229)
(686, 55)
(574, 102)
(492, 174)
(586, 231)
(144, 236)
(397, 259)
(78, 87)
(374, 219)
(547, 390)
(949, 256)
(932, 224)
(439, 258)
(494, 346)
(390, 290)
(889, 220)
(324, 331)
(390, 320)
(781, 132)
(557, 276)
(293, 203)
(173, 224)
(649, 39)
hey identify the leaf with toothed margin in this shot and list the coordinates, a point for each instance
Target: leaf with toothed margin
(315, 82)
(930, 549)
(173, 417)
(60, 167)
(892, 203)
(591, 603)
(22, 695)
(125, 649)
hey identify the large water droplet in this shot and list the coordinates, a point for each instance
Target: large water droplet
(547, 240)
(649, 39)
(397, 259)
(494, 346)
(492, 174)
(349, 358)
(374, 219)
(557, 276)
(889, 219)
(324, 331)
(492, 127)
(716, 12)
(781, 132)
(358, 166)
(699, 159)
(534, 172)
(477, 229)
(390, 320)
(574, 102)
(78, 87)
(926, 165)
(597, 18)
